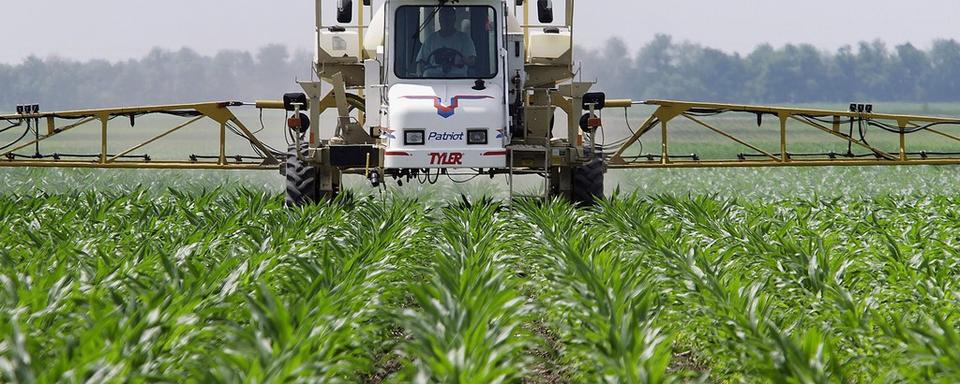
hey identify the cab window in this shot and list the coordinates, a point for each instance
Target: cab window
(447, 42)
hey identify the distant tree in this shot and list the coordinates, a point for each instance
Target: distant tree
(662, 68)
(272, 66)
(612, 61)
(873, 64)
(793, 73)
(162, 76)
(843, 76)
(719, 76)
(656, 67)
(944, 78)
(908, 73)
(228, 69)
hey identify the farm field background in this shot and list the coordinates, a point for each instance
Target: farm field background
(756, 275)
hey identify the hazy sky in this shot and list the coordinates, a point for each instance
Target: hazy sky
(120, 29)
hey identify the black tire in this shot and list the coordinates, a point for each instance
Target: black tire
(588, 183)
(303, 179)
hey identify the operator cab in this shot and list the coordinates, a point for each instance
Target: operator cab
(446, 100)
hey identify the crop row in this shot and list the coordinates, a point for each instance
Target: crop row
(229, 286)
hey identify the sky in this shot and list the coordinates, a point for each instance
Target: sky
(123, 29)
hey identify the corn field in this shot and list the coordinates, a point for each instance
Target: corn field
(225, 286)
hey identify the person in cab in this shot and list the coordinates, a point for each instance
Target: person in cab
(447, 53)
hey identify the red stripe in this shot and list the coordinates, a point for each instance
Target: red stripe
(495, 153)
(396, 154)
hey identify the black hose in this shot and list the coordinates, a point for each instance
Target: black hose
(896, 129)
(10, 127)
(25, 132)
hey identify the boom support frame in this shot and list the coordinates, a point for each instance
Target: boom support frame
(669, 111)
(218, 112)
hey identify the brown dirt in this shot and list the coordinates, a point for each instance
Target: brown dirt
(546, 370)
(687, 361)
(389, 363)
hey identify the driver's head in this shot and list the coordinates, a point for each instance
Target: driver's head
(448, 18)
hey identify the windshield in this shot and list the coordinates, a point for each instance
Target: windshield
(446, 42)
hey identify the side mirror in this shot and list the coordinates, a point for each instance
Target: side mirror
(344, 11)
(545, 11)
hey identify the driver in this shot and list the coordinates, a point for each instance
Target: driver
(447, 37)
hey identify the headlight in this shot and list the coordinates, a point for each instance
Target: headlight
(413, 137)
(477, 136)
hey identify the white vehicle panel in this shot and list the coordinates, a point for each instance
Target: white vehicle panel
(445, 112)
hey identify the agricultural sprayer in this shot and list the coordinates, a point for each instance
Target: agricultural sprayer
(425, 88)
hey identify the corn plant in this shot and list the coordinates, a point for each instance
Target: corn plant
(466, 326)
(213, 282)
(607, 305)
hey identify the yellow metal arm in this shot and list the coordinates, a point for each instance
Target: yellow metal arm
(218, 112)
(825, 125)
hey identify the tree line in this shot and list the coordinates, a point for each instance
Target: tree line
(662, 68)
(870, 71)
(160, 77)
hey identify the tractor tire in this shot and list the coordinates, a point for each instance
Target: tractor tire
(588, 183)
(303, 179)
